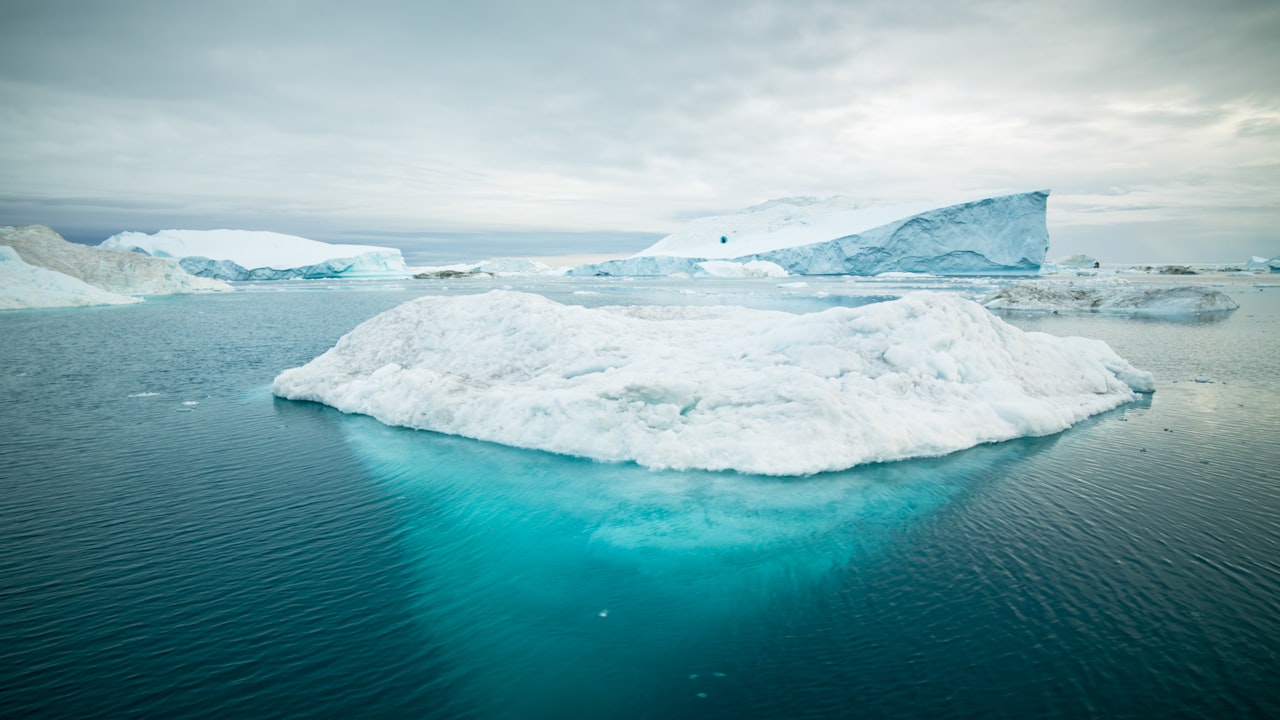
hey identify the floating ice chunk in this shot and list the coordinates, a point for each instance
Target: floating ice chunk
(716, 388)
(1113, 297)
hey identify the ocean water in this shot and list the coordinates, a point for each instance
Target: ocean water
(175, 542)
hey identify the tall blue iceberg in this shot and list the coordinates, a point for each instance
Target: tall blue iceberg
(805, 236)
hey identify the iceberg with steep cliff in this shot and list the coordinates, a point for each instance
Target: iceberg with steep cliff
(834, 236)
(715, 387)
(261, 255)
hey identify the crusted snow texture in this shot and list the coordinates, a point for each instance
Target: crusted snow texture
(1115, 297)
(715, 388)
(260, 255)
(115, 271)
(1004, 234)
(23, 285)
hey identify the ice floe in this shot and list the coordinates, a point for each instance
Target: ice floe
(1115, 297)
(716, 388)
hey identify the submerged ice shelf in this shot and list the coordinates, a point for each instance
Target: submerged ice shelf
(715, 388)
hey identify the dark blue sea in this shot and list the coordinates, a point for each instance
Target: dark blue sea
(177, 543)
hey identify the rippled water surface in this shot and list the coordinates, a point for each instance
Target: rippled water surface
(175, 542)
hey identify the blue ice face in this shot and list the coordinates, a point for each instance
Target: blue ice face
(532, 564)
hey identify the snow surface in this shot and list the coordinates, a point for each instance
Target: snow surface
(715, 387)
(260, 255)
(808, 236)
(115, 271)
(1115, 297)
(23, 285)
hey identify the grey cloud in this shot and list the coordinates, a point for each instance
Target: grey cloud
(631, 115)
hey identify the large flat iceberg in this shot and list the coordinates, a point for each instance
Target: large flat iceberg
(260, 255)
(115, 271)
(715, 388)
(833, 236)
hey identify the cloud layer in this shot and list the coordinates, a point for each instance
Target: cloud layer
(1157, 125)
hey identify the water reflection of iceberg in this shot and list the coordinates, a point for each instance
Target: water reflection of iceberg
(543, 575)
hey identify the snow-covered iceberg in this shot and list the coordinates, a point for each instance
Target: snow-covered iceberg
(496, 267)
(716, 388)
(1115, 297)
(23, 285)
(833, 236)
(751, 268)
(115, 271)
(260, 255)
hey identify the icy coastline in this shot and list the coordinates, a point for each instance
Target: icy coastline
(715, 388)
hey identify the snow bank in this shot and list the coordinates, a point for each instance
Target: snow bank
(260, 255)
(115, 271)
(1115, 297)
(23, 285)
(807, 236)
(717, 388)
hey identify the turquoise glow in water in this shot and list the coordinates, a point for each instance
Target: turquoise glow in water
(178, 543)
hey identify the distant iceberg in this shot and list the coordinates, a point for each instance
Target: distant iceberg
(1261, 263)
(260, 255)
(73, 274)
(1114, 297)
(834, 236)
(715, 388)
(23, 285)
(497, 267)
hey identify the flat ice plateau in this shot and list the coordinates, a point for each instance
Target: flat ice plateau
(261, 255)
(834, 236)
(716, 388)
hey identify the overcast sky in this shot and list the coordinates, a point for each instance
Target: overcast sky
(465, 129)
